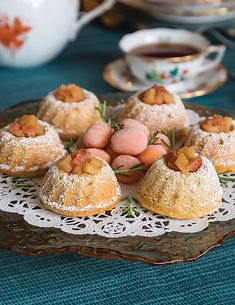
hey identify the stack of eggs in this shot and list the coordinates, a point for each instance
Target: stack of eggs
(126, 146)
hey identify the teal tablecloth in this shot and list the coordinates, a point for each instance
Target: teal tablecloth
(73, 279)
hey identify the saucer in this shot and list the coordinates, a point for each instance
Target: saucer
(119, 76)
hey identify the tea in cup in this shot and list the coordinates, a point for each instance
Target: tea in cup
(168, 55)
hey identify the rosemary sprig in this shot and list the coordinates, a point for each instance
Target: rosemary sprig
(115, 124)
(139, 168)
(172, 137)
(19, 184)
(153, 137)
(225, 179)
(71, 146)
(130, 210)
(102, 109)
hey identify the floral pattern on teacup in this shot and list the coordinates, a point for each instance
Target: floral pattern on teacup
(174, 75)
(12, 34)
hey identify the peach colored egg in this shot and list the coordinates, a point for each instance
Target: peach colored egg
(111, 153)
(129, 141)
(98, 135)
(151, 153)
(99, 153)
(131, 123)
(125, 162)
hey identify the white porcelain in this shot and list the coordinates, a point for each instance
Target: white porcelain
(118, 75)
(168, 70)
(47, 26)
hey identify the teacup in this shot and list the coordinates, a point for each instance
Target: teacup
(169, 69)
(33, 32)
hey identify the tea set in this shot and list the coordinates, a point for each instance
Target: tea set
(186, 74)
(28, 40)
(33, 32)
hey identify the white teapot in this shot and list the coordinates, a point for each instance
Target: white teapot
(33, 32)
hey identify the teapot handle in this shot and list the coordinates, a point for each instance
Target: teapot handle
(87, 17)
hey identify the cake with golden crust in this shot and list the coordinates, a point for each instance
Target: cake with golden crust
(214, 138)
(71, 110)
(159, 110)
(181, 185)
(28, 147)
(80, 185)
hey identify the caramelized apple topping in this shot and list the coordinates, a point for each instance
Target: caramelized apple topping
(185, 160)
(26, 126)
(81, 162)
(69, 93)
(217, 124)
(156, 95)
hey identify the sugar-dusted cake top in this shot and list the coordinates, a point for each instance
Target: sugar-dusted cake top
(69, 93)
(156, 95)
(26, 126)
(185, 160)
(217, 124)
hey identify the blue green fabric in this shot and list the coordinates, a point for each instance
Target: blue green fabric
(74, 279)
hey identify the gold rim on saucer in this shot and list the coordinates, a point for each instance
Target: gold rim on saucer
(129, 82)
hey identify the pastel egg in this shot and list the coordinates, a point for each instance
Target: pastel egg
(151, 153)
(99, 153)
(125, 162)
(98, 135)
(129, 141)
(131, 123)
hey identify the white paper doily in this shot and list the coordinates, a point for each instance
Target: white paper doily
(113, 223)
(20, 196)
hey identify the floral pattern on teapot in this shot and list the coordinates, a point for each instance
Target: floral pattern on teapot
(12, 34)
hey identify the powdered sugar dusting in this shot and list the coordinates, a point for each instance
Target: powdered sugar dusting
(157, 117)
(66, 182)
(50, 144)
(89, 98)
(201, 188)
(218, 147)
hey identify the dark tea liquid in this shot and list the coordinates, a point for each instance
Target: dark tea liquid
(164, 50)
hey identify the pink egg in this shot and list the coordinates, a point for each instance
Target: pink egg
(131, 123)
(125, 162)
(129, 141)
(98, 135)
(99, 153)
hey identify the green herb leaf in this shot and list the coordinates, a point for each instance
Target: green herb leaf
(20, 184)
(172, 137)
(139, 168)
(153, 137)
(226, 179)
(71, 146)
(102, 109)
(130, 210)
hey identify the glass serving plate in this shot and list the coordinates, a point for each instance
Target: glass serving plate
(18, 235)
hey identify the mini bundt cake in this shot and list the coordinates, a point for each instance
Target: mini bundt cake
(80, 185)
(71, 110)
(159, 110)
(182, 185)
(28, 147)
(214, 138)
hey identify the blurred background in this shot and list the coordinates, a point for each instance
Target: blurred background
(83, 59)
